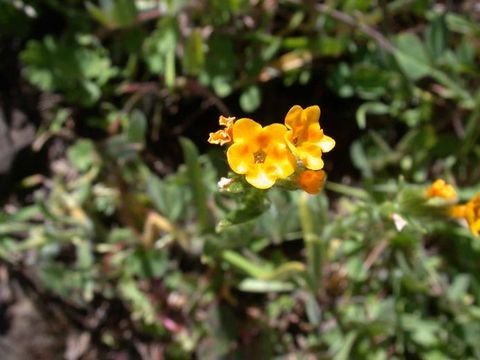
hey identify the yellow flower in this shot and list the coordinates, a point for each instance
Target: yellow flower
(470, 212)
(260, 153)
(224, 136)
(442, 190)
(311, 181)
(305, 136)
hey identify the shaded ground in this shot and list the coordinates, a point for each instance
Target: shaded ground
(24, 332)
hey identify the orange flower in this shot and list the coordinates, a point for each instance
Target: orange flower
(311, 181)
(305, 136)
(260, 153)
(442, 190)
(470, 212)
(224, 136)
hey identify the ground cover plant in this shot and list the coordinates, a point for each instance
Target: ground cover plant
(240, 179)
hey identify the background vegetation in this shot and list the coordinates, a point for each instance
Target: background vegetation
(111, 220)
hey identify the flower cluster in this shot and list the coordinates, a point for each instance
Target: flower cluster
(441, 190)
(469, 212)
(291, 151)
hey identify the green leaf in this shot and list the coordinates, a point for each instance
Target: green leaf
(376, 108)
(346, 348)
(195, 177)
(465, 52)
(412, 56)
(137, 127)
(360, 159)
(114, 14)
(99, 15)
(170, 71)
(141, 307)
(8, 247)
(472, 334)
(264, 286)
(459, 287)
(262, 272)
(124, 12)
(252, 203)
(250, 99)
(168, 197)
(315, 246)
(147, 263)
(340, 80)
(437, 38)
(82, 154)
(222, 85)
(423, 332)
(194, 55)
(356, 269)
(76, 68)
(159, 49)
(461, 24)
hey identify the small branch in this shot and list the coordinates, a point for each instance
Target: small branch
(375, 254)
(199, 89)
(350, 20)
(148, 15)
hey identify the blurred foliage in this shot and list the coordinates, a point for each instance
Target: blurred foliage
(128, 231)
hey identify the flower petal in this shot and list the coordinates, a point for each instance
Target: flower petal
(441, 189)
(244, 130)
(276, 131)
(293, 116)
(326, 143)
(281, 160)
(260, 178)
(240, 157)
(311, 156)
(219, 137)
(311, 114)
(226, 121)
(271, 135)
(458, 211)
(313, 133)
(475, 227)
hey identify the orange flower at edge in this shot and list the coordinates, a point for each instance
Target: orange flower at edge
(223, 136)
(442, 190)
(470, 212)
(311, 181)
(260, 153)
(305, 137)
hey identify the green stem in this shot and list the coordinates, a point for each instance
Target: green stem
(313, 244)
(346, 190)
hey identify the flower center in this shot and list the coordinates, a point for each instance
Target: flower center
(259, 157)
